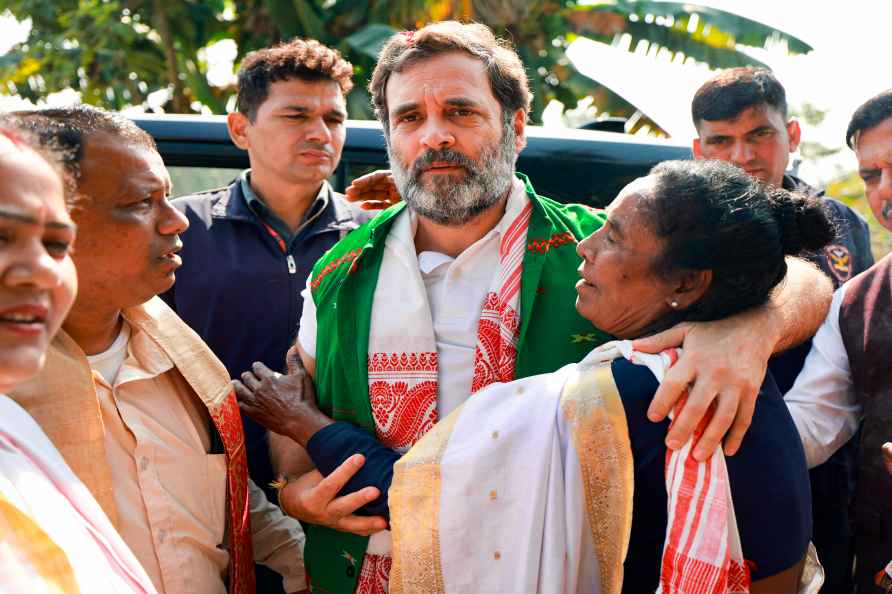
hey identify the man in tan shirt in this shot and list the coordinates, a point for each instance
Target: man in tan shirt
(139, 407)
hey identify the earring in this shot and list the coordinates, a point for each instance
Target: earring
(673, 304)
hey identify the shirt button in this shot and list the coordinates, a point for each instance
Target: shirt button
(493, 495)
(143, 463)
(495, 434)
(497, 555)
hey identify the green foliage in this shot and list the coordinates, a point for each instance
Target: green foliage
(850, 189)
(117, 52)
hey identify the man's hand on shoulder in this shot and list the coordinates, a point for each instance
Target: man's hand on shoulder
(312, 498)
(724, 361)
(374, 191)
(721, 370)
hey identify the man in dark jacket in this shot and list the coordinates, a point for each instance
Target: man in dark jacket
(251, 246)
(741, 117)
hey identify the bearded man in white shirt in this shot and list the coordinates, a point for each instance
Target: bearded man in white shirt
(847, 377)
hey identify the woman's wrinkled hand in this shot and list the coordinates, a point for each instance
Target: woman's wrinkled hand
(284, 404)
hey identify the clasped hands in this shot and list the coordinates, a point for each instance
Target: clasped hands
(286, 404)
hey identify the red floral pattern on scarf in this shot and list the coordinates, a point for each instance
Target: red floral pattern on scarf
(496, 347)
(375, 575)
(403, 395)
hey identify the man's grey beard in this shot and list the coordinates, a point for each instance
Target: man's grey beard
(454, 199)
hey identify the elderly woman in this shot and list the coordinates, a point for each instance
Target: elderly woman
(54, 537)
(530, 485)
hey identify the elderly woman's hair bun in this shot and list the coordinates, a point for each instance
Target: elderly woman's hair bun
(805, 221)
(713, 216)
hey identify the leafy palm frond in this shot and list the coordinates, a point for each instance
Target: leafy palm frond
(117, 52)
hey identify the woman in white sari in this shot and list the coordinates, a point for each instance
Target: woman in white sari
(495, 483)
(531, 486)
(54, 537)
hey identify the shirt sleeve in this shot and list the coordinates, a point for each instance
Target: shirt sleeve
(822, 400)
(306, 336)
(278, 540)
(332, 445)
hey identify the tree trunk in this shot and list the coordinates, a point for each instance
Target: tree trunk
(180, 104)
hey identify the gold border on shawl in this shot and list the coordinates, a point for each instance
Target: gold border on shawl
(414, 498)
(590, 402)
(39, 550)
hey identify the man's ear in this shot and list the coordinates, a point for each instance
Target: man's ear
(690, 288)
(794, 132)
(696, 149)
(238, 123)
(520, 125)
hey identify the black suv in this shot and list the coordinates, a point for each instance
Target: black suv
(568, 165)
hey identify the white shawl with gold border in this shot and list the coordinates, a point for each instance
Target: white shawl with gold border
(525, 488)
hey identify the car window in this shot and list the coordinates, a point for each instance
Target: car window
(189, 180)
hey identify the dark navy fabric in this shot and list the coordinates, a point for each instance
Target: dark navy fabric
(238, 291)
(769, 484)
(333, 444)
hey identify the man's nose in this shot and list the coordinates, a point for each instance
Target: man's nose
(436, 134)
(884, 188)
(741, 153)
(172, 221)
(317, 131)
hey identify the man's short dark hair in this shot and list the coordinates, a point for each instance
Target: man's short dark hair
(727, 94)
(507, 77)
(872, 113)
(69, 128)
(302, 59)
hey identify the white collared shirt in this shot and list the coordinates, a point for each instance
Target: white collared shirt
(822, 400)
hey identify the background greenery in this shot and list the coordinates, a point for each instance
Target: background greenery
(118, 52)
